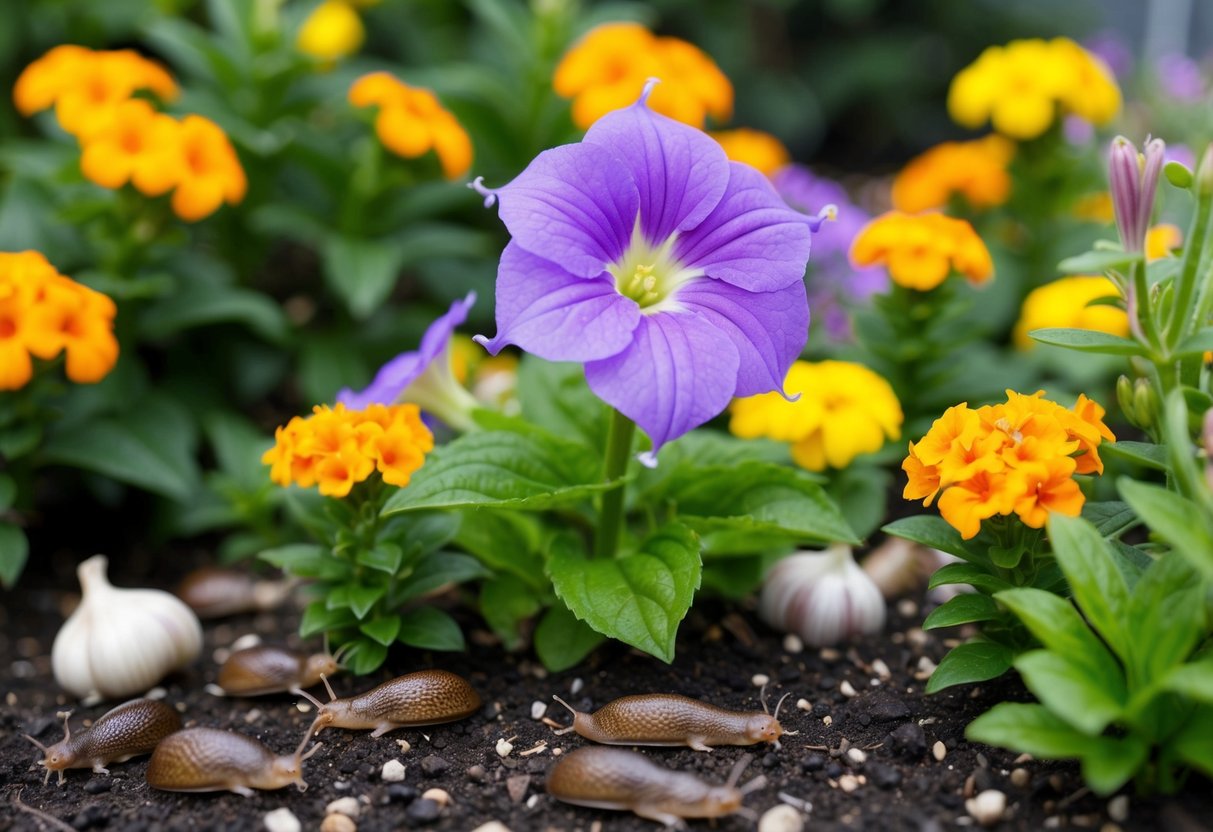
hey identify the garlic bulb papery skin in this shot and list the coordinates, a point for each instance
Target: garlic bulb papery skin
(823, 597)
(120, 642)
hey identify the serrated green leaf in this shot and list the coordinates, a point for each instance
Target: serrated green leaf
(967, 573)
(1066, 687)
(317, 618)
(934, 533)
(438, 569)
(961, 609)
(383, 557)
(638, 598)
(382, 630)
(1098, 586)
(562, 640)
(1087, 340)
(505, 602)
(1174, 518)
(1098, 261)
(430, 629)
(14, 552)
(1146, 454)
(973, 661)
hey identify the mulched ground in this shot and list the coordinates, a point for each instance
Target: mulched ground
(914, 770)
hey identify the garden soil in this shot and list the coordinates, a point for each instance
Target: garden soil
(867, 749)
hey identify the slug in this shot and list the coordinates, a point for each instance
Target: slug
(426, 697)
(263, 669)
(615, 778)
(131, 729)
(212, 592)
(670, 719)
(210, 760)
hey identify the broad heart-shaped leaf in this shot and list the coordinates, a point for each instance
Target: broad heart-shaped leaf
(561, 640)
(638, 598)
(1198, 343)
(973, 661)
(555, 396)
(1098, 586)
(962, 609)
(1174, 518)
(361, 272)
(502, 469)
(506, 601)
(383, 630)
(1087, 340)
(1064, 685)
(934, 532)
(967, 573)
(430, 629)
(1107, 762)
(1143, 453)
(14, 551)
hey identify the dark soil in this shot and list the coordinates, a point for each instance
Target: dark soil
(903, 780)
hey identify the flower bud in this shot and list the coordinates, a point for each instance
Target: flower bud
(824, 597)
(1204, 173)
(1145, 404)
(1124, 398)
(1134, 182)
(1177, 174)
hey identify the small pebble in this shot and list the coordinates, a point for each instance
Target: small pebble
(781, 818)
(538, 709)
(337, 823)
(847, 689)
(760, 679)
(987, 807)
(156, 693)
(803, 704)
(423, 811)
(246, 640)
(348, 806)
(439, 796)
(401, 793)
(393, 771)
(533, 801)
(848, 783)
(792, 643)
(504, 747)
(492, 826)
(433, 765)
(884, 776)
(516, 787)
(405, 746)
(1118, 808)
(252, 716)
(95, 815)
(282, 820)
(98, 785)
(10, 699)
(829, 654)
(907, 608)
(576, 686)
(939, 751)
(881, 669)
(856, 756)
(1020, 777)
(477, 773)
(827, 720)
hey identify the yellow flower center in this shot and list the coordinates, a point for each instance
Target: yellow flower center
(650, 275)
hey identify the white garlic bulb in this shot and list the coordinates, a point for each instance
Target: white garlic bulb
(824, 597)
(120, 642)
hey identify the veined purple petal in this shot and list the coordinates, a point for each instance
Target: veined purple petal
(678, 372)
(681, 172)
(393, 377)
(556, 315)
(769, 329)
(574, 205)
(752, 239)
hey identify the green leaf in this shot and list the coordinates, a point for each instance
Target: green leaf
(384, 557)
(1166, 615)
(318, 618)
(14, 552)
(561, 640)
(505, 602)
(201, 304)
(962, 609)
(18, 440)
(1087, 340)
(860, 491)
(974, 661)
(934, 533)
(1198, 343)
(366, 656)
(967, 573)
(382, 630)
(1098, 586)
(638, 598)
(1110, 517)
(1174, 518)
(1099, 261)
(1146, 454)
(556, 397)
(362, 598)
(8, 491)
(306, 560)
(1067, 688)
(507, 541)
(1192, 743)
(423, 533)
(359, 271)
(1056, 624)
(430, 629)
(438, 569)
(501, 469)
(1193, 680)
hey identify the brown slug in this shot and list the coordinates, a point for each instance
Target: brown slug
(426, 697)
(211, 760)
(263, 669)
(671, 719)
(130, 729)
(213, 592)
(615, 778)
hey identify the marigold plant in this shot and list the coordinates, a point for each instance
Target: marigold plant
(1067, 303)
(607, 69)
(975, 170)
(138, 145)
(208, 170)
(843, 410)
(335, 448)
(1017, 457)
(43, 314)
(411, 122)
(755, 148)
(921, 250)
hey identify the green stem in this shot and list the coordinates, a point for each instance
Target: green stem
(1181, 316)
(618, 451)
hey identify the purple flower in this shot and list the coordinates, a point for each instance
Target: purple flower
(1180, 78)
(1134, 185)
(673, 274)
(423, 377)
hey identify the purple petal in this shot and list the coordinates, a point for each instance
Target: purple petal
(678, 372)
(556, 315)
(396, 375)
(574, 205)
(769, 329)
(752, 239)
(681, 172)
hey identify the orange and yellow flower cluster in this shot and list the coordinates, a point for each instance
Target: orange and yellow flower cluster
(336, 448)
(921, 250)
(43, 313)
(1019, 457)
(1020, 87)
(607, 69)
(975, 170)
(844, 410)
(411, 122)
(125, 139)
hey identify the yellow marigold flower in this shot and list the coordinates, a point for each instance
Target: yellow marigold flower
(331, 32)
(1019, 87)
(1065, 303)
(608, 67)
(1161, 239)
(208, 173)
(921, 250)
(976, 170)
(139, 146)
(411, 122)
(755, 148)
(1045, 486)
(844, 410)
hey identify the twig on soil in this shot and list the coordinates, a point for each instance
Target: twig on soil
(38, 813)
(1078, 795)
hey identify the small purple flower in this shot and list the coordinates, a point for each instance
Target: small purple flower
(1134, 186)
(423, 376)
(673, 274)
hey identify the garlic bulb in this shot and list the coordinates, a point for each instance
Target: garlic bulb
(824, 597)
(120, 642)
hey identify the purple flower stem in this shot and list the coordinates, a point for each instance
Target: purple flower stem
(618, 452)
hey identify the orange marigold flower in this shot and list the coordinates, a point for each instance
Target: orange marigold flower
(1067, 303)
(921, 250)
(411, 122)
(208, 170)
(975, 170)
(139, 145)
(1043, 487)
(923, 482)
(608, 67)
(966, 504)
(755, 148)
